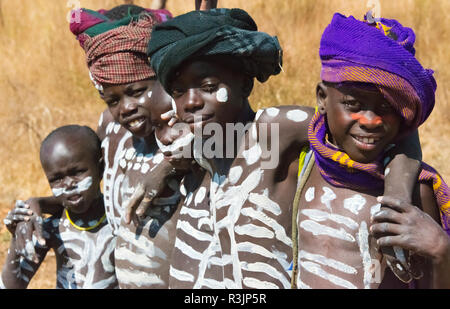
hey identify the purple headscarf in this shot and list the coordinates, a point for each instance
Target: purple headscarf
(381, 54)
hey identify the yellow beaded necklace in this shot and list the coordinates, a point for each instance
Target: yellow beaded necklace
(85, 228)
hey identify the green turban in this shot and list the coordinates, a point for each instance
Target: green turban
(217, 32)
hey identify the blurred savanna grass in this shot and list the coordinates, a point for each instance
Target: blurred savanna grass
(44, 80)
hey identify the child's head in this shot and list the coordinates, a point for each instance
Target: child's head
(115, 43)
(360, 120)
(373, 89)
(207, 61)
(173, 140)
(71, 157)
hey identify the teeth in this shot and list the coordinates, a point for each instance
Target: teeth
(367, 140)
(135, 123)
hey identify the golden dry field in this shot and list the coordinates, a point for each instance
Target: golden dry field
(44, 81)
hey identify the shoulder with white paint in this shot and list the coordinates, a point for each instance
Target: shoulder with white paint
(103, 121)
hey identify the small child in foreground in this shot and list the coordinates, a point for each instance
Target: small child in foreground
(80, 235)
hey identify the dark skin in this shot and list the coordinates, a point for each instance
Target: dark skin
(411, 226)
(66, 161)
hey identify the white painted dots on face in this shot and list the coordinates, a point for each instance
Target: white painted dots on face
(149, 94)
(297, 115)
(142, 100)
(272, 111)
(222, 95)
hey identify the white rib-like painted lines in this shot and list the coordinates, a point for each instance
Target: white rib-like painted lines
(318, 229)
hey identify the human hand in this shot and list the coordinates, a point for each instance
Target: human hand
(20, 212)
(403, 225)
(153, 184)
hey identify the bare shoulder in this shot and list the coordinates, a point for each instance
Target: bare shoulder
(290, 121)
(103, 121)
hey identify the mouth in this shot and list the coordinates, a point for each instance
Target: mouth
(199, 121)
(366, 142)
(74, 200)
(136, 124)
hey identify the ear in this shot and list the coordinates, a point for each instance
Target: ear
(101, 166)
(322, 97)
(247, 86)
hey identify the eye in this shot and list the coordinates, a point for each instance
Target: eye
(80, 172)
(352, 104)
(386, 108)
(111, 102)
(138, 92)
(209, 87)
(55, 181)
(177, 92)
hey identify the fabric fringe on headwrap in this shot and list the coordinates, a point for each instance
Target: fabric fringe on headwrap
(116, 49)
(339, 170)
(230, 32)
(381, 54)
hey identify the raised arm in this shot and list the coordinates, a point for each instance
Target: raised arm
(205, 4)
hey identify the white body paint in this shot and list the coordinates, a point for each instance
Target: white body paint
(222, 95)
(80, 187)
(297, 115)
(355, 203)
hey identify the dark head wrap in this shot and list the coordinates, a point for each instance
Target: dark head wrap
(116, 49)
(217, 32)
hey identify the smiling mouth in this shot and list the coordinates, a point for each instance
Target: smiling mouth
(366, 142)
(74, 199)
(136, 123)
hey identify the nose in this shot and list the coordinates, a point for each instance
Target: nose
(194, 100)
(369, 119)
(69, 182)
(128, 106)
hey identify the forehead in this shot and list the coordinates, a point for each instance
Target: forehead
(67, 148)
(357, 90)
(200, 68)
(123, 88)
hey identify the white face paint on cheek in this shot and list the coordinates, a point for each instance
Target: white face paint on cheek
(80, 187)
(142, 101)
(149, 94)
(222, 95)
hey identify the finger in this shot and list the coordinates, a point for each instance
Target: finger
(386, 228)
(394, 240)
(172, 122)
(143, 206)
(25, 233)
(133, 203)
(22, 211)
(168, 115)
(21, 204)
(394, 203)
(38, 224)
(21, 218)
(387, 214)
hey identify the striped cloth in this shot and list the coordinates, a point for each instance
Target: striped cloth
(116, 49)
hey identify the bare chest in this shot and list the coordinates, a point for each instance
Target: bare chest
(336, 249)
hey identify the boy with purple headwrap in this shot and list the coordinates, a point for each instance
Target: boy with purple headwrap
(373, 93)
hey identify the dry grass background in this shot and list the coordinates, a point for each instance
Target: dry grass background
(44, 81)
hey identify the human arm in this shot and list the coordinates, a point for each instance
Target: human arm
(154, 182)
(205, 4)
(402, 171)
(18, 269)
(408, 227)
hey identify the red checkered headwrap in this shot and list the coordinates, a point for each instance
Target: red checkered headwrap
(119, 56)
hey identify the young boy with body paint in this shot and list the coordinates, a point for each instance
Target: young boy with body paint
(79, 235)
(234, 226)
(364, 105)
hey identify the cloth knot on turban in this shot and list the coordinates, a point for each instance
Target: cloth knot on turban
(116, 49)
(380, 53)
(230, 32)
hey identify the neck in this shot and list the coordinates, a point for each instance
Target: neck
(95, 211)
